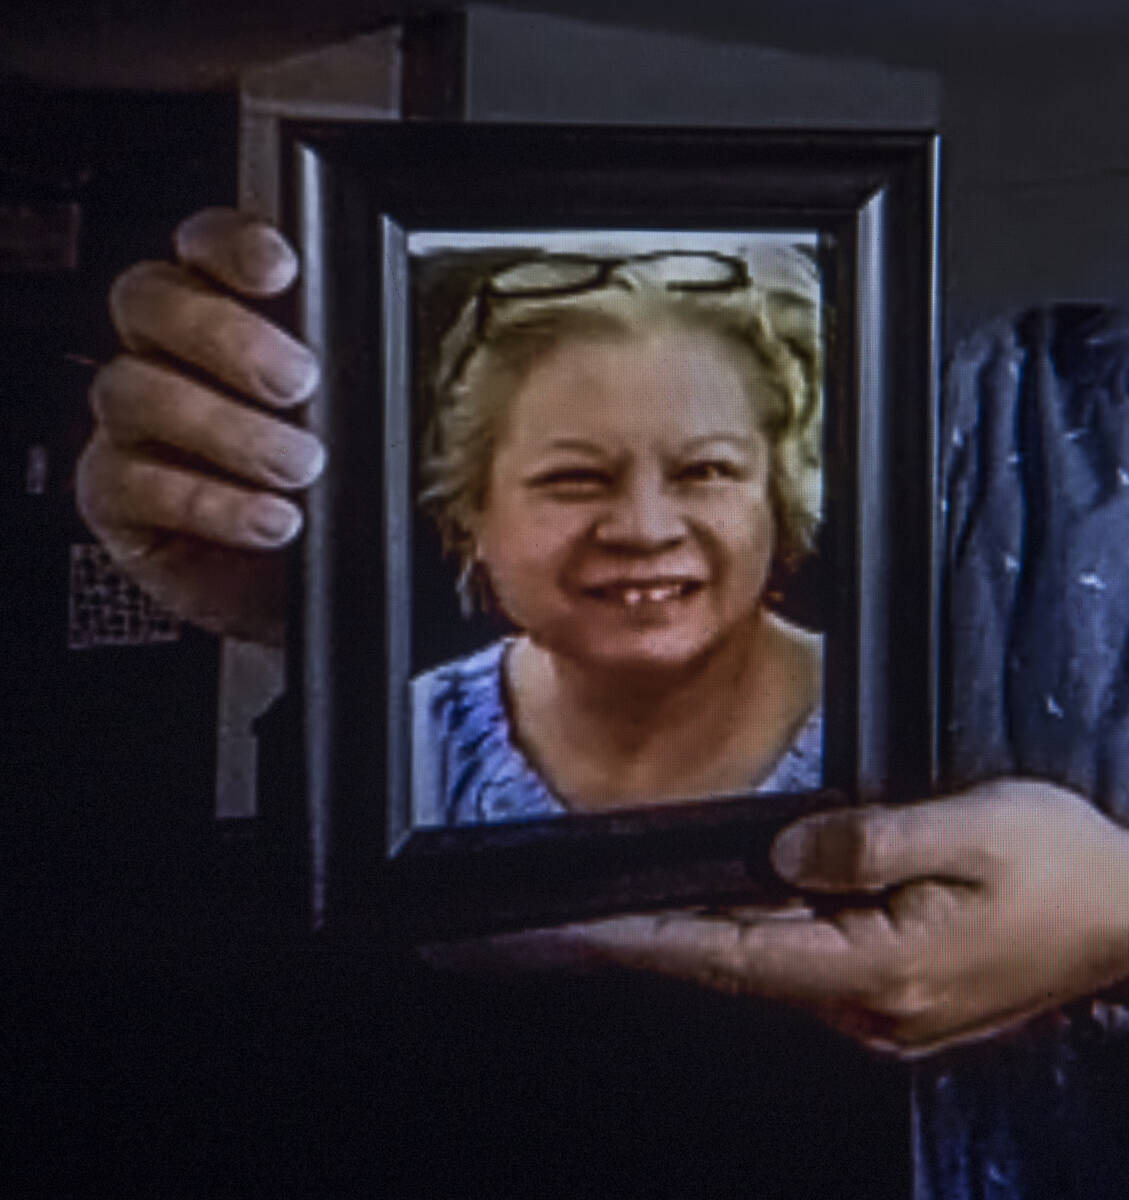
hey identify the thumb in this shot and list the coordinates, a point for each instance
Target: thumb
(875, 847)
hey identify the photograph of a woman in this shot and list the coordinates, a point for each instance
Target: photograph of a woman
(621, 449)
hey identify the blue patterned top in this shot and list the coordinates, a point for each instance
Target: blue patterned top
(468, 769)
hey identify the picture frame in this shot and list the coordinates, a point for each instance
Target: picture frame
(360, 197)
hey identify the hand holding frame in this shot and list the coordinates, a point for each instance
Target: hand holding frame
(951, 919)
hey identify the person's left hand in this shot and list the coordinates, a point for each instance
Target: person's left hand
(958, 917)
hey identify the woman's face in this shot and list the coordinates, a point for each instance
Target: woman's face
(628, 522)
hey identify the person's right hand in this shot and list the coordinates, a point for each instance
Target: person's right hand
(186, 476)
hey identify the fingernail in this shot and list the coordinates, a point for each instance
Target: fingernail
(290, 373)
(265, 261)
(274, 521)
(295, 461)
(792, 850)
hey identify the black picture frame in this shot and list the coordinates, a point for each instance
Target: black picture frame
(356, 193)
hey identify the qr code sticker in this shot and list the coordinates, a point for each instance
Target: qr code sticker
(109, 609)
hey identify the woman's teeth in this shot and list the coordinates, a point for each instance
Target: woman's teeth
(633, 596)
(653, 595)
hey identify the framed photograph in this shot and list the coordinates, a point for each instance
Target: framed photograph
(623, 558)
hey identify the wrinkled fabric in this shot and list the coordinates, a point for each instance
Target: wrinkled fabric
(1034, 462)
(479, 774)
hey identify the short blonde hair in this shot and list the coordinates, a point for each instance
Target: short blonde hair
(768, 313)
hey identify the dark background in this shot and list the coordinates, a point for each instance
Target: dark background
(165, 1027)
(1034, 97)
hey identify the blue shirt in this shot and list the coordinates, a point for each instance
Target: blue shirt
(468, 768)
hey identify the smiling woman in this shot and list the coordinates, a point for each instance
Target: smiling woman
(621, 449)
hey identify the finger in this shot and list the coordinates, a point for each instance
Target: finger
(798, 960)
(141, 402)
(156, 306)
(789, 909)
(124, 494)
(239, 251)
(873, 848)
(528, 950)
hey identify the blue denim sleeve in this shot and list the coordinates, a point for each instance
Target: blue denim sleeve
(1034, 463)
